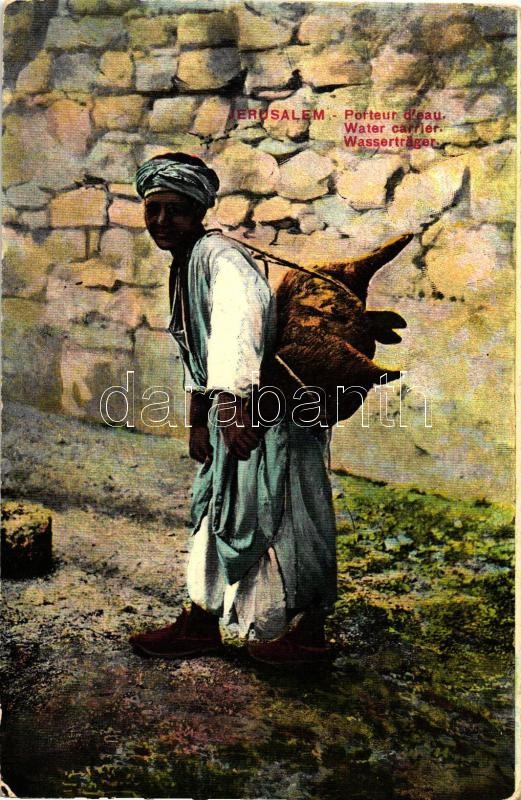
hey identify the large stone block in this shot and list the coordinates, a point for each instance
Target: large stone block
(30, 352)
(304, 176)
(148, 32)
(26, 540)
(32, 153)
(118, 113)
(464, 259)
(116, 70)
(419, 198)
(35, 76)
(172, 114)
(116, 249)
(155, 72)
(207, 30)
(334, 67)
(241, 167)
(267, 70)
(493, 183)
(393, 68)
(151, 265)
(332, 106)
(126, 213)
(210, 68)
(365, 186)
(100, 334)
(111, 161)
(275, 209)
(232, 210)
(101, 6)
(461, 106)
(334, 211)
(79, 208)
(64, 245)
(212, 117)
(87, 377)
(297, 108)
(65, 33)
(25, 265)
(70, 123)
(27, 195)
(320, 28)
(260, 32)
(75, 72)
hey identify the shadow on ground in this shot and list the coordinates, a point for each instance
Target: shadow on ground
(417, 705)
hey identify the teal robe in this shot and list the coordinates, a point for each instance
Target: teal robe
(285, 480)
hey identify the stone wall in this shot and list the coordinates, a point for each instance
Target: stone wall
(94, 87)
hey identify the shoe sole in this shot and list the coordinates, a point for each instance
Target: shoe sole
(142, 651)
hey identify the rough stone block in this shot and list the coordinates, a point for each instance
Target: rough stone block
(65, 33)
(30, 353)
(212, 117)
(75, 72)
(332, 104)
(334, 67)
(35, 76)
(334, 211)
(123, 189)
(118, 113)
(317, 28)
(101, 6)
(365, 186)
(275, 209)
(304, 176)
(32, 153)
(111, 161)
(126, 213)
(26, 540)
(35, 219)
(232, 210)
(241, 167)
(172, 114)
(493, 183)
(393, 68)
(154, 73)
(269, 70)
(461, 106)
(66, 245)
(86, 375)
(25, 265)
(210, 68)
(207, 30)
(152, 31)
(100, 335)
(260, 32)
(452, 262)
(299, 105)
(116, 70)
(419, 198)
(27, 195)
(70, 123)
(116, 249)
(79, 208)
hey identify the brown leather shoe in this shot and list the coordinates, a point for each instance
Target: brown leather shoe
(195, 632)
(300, 643)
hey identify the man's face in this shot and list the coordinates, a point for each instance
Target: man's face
(171, 219)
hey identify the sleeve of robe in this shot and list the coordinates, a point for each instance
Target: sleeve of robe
(239, 310)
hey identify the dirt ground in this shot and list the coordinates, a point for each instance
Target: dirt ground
(417, 704)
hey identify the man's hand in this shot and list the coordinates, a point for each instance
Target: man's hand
(234, 419)
(199, 446)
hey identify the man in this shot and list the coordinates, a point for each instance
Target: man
(263, 549)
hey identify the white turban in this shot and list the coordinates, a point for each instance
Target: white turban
(165, 174)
